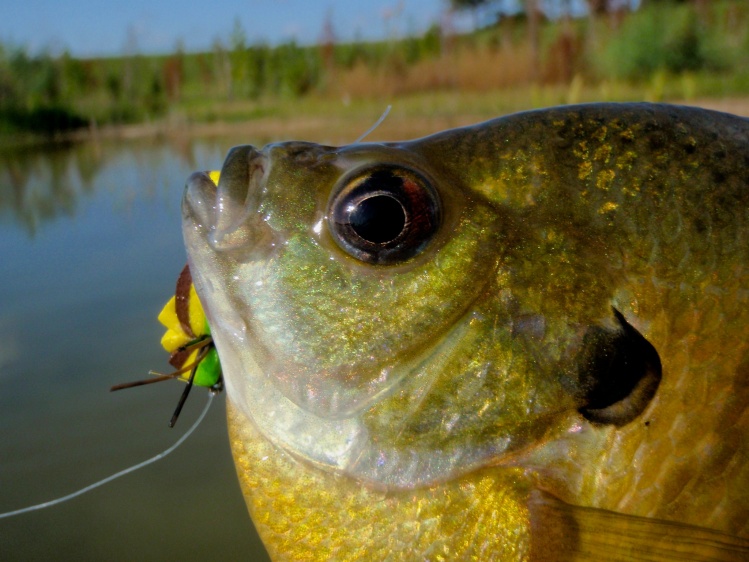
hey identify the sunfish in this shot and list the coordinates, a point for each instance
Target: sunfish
(520, 340)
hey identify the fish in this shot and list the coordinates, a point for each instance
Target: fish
(524, 339)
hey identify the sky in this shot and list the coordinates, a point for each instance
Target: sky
(88, 28)
(95, 28)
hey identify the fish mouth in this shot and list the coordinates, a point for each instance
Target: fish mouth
(223, 212)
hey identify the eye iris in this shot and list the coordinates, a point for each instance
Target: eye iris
(383, 214)
(378, 219)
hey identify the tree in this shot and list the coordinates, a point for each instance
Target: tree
(327, 42)
(598, 7)
(238, 59)
(534, 17)
(468, 4)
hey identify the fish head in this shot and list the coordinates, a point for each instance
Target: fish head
(381, 317)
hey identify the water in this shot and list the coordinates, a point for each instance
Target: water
(90, 249)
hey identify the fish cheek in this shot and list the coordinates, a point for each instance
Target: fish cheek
(618, 372)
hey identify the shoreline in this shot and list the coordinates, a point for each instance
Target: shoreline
(340, 129)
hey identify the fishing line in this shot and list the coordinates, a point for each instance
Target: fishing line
(118, 474)
(377, 124)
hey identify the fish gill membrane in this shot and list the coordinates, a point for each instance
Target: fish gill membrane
(519, 340)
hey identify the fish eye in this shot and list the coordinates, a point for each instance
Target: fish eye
(384, 214)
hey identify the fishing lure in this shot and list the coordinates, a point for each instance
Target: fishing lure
(188, 340)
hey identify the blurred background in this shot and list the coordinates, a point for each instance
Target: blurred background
(285, 68)
(106, 109)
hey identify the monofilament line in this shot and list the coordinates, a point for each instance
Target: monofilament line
(377, 124)
(117, 475)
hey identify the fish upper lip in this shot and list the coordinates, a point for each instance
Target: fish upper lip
(220, 211)
(239, 190)
(199, 200)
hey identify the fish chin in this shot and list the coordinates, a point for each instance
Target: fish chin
(344, 442)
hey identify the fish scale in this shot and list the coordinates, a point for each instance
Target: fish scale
(684, 488)
(445, 523)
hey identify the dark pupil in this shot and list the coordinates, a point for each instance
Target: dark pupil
(378, 219)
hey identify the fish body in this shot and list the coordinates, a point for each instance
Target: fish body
(519, 340)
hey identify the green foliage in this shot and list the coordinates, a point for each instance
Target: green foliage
(47, 94)
(295, 71)
(258, 70)
(32, 91)
(348, 55)
(43, 120)
(663, 37)
(467, 4)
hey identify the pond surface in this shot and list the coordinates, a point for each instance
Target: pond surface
(90, 247)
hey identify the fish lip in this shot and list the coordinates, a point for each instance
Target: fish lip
(240, 189)
(222, 211)
(199, 201)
